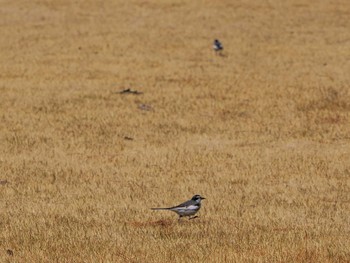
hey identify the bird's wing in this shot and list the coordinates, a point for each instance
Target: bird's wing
(184, 204)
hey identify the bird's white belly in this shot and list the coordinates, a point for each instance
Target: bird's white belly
(187, 211)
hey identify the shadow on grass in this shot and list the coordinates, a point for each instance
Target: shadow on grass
(161, 223)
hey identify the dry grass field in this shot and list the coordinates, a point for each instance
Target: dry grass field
(263, 131)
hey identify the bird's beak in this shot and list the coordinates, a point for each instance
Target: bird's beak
(202, 197)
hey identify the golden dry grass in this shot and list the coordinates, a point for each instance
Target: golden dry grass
(262, 132)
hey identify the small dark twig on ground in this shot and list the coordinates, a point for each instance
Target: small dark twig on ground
(130, 91)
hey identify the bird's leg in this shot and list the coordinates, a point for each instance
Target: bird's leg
(192, 217)
(180, 218)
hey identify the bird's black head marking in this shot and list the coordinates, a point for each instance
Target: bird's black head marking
(197, 198)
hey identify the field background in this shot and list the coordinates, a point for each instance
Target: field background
(263, 131)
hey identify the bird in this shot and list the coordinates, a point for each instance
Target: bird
(188, 208)
(217, 46)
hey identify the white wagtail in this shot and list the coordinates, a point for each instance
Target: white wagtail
(217, 46)
(188, 208)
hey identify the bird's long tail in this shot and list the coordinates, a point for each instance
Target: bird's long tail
(160, 208)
